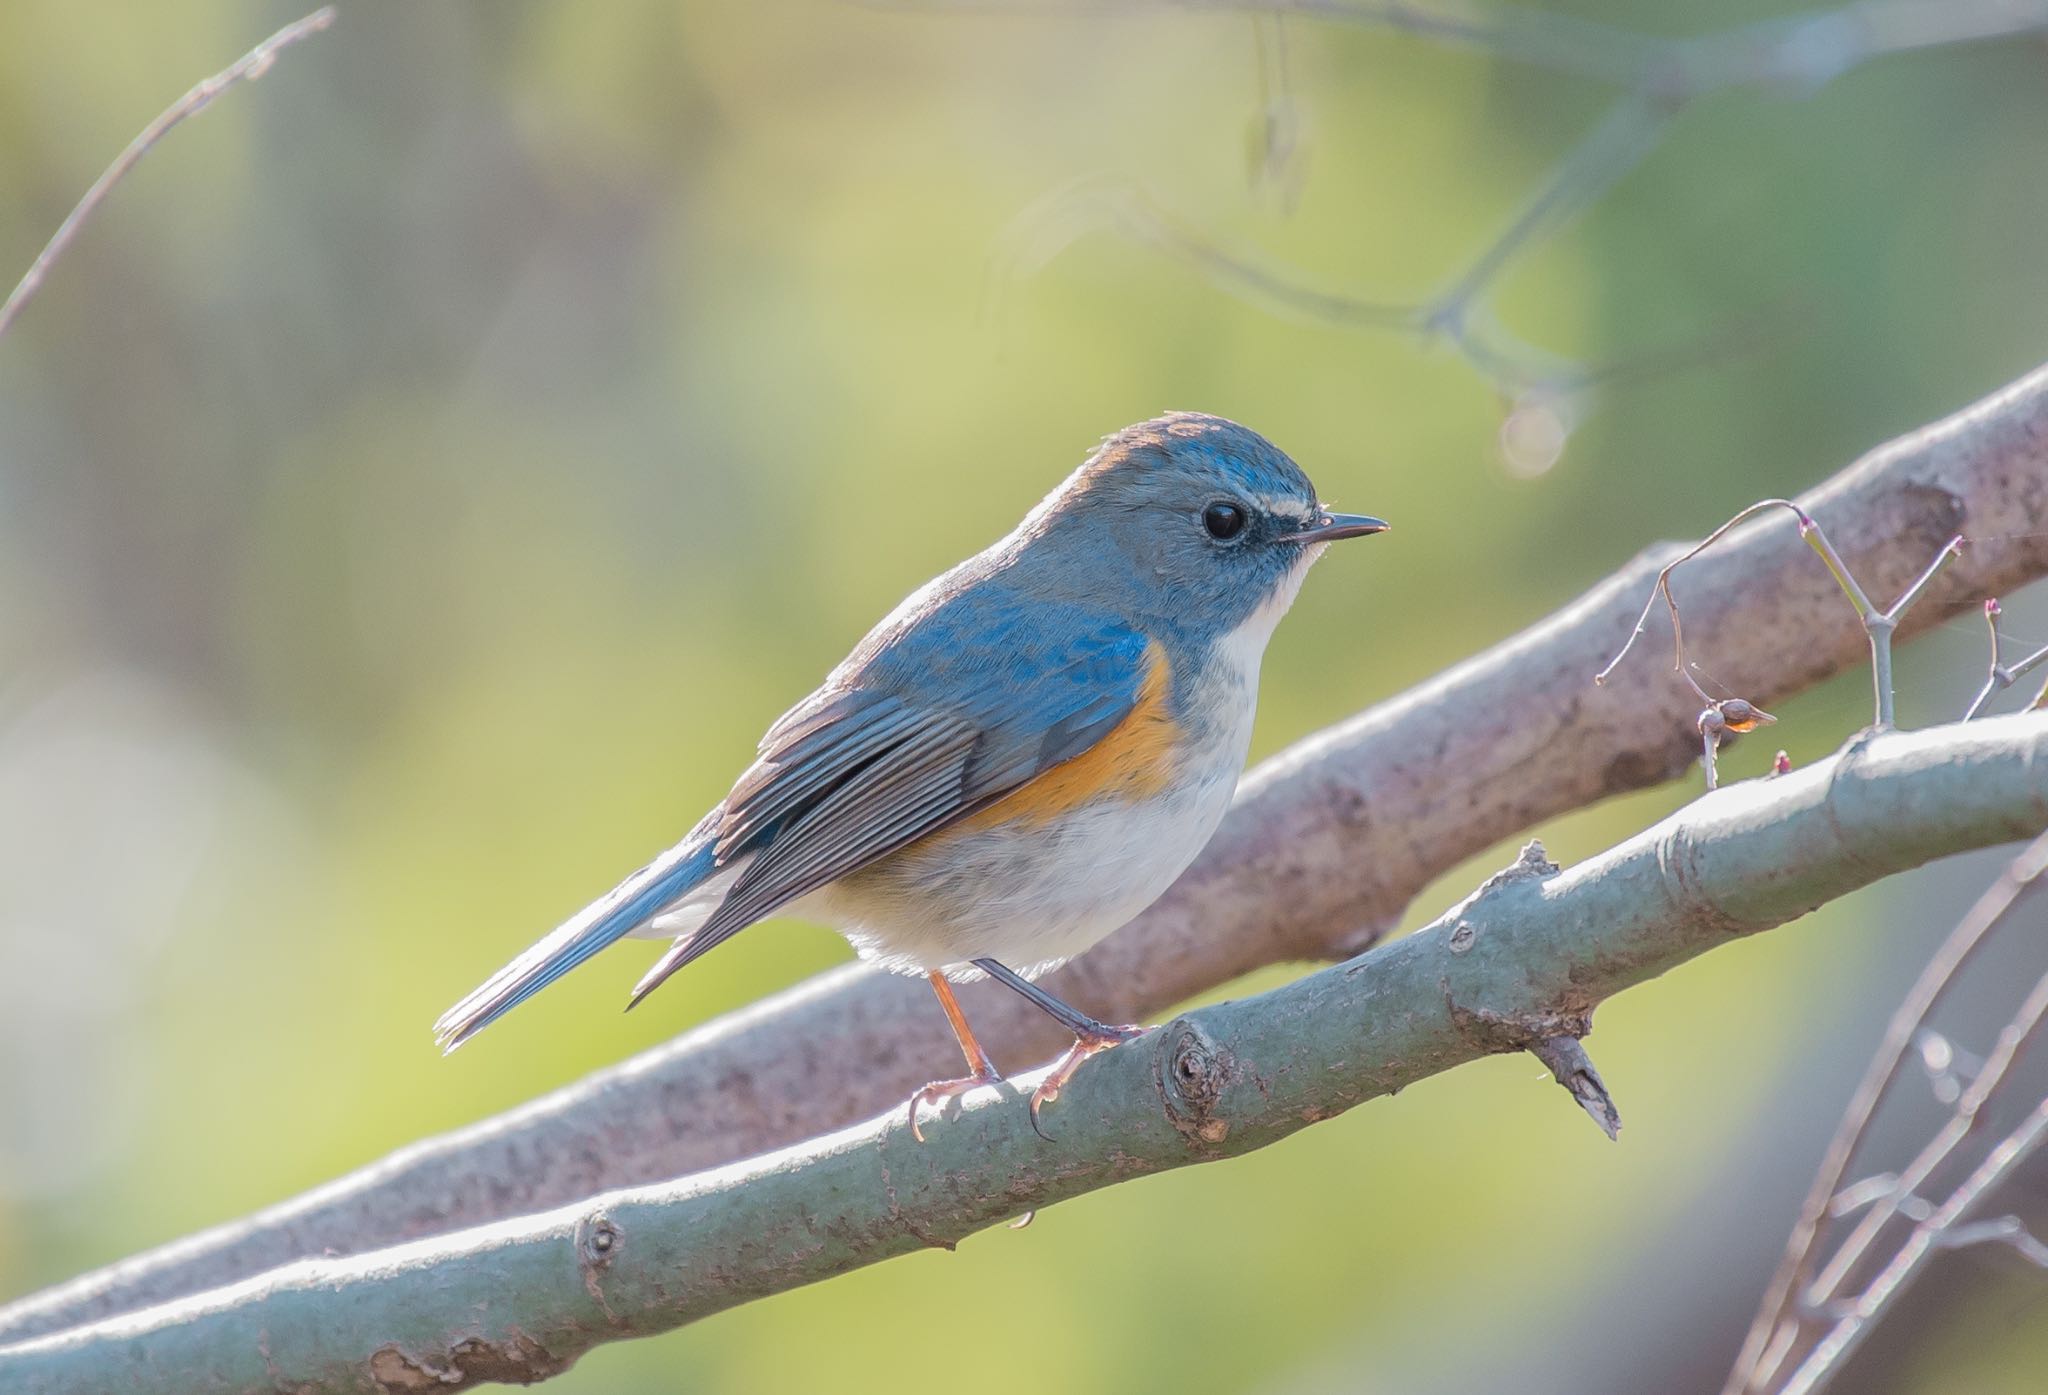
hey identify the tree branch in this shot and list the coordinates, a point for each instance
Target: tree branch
(1354, 821)
(1659, 79)
(1519, 963)
(249, 67)
(1779, 1337)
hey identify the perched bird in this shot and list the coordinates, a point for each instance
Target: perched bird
(1017, 761)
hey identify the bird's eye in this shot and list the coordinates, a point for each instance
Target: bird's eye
(1224, 521)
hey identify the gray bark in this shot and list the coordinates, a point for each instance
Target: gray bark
(1326, 845)
(1520, 964)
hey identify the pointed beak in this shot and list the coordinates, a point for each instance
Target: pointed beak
(1337, 525)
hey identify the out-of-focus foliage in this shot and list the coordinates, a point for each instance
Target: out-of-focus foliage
(442, 458)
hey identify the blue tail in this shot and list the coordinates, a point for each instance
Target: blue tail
(625, 908)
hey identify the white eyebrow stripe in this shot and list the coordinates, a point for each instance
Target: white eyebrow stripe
(1284, 506)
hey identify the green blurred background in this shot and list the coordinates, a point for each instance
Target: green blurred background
(440, 460)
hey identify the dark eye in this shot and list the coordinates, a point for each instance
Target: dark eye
(1224, 521)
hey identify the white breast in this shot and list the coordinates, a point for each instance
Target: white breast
(1031, 896)
(1035, 896)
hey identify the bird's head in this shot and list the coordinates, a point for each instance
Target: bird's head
(1190, 522)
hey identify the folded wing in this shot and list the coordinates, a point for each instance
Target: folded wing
(860, 772)
(955, 707)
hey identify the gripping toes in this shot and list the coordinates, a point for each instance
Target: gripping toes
(939, 1091)
(1063, 1069)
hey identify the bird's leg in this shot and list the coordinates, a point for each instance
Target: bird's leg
(985, 1072)
(1090, 1036)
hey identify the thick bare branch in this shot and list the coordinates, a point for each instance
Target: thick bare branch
(1524, 960)
(1353, 822)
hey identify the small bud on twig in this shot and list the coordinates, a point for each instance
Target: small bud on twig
(1742, 716)
(1878, 626)
(1722, 716)
(2001, 675)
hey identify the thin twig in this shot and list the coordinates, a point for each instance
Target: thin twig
(1659, 79)
(2012, 1040)
(1997, 677)
(249, 67)
(1279, 146)
(1882, 627)
(1932, 1235)
(1532, 380)
(1949, 552)
(1878, 625)
(1777, 1324)
(1535, 38)
(2000, 1230)
(2003, 675)
(1721, 715)
(1055, 222)
(1663, 588)
(1619, 141)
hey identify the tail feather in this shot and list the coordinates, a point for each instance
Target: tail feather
(687, 949)
(629, 905)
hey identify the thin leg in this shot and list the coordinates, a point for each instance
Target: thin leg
(985, 1072)
(977, 1059)
(1090, 1036)
(1074, 1020)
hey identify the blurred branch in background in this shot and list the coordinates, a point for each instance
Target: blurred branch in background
(1811, 1319)
(1354, 821)
(1661, 79)
(251, 66)
(1517, 965)
(1277, 149)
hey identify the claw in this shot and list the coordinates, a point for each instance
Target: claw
(1063, 1069)
(939, 1091)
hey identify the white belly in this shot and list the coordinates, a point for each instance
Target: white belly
(1034, 895)
(1031, 896)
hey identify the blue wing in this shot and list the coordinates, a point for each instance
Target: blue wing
(922, 726)
(946, 706)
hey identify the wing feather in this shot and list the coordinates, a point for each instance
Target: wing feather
(807, 766)
(860, 772)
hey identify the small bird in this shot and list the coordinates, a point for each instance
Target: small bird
(1020, 758)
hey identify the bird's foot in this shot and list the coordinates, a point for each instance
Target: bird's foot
(1085, 1045)
(939, 1091)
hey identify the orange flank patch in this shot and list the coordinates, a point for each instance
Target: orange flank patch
(1133, 761)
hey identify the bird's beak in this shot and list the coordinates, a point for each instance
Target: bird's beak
(1337, 525)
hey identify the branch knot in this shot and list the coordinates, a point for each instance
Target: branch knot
(1193, 1069)
(598, 1242)
(1531, 864)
